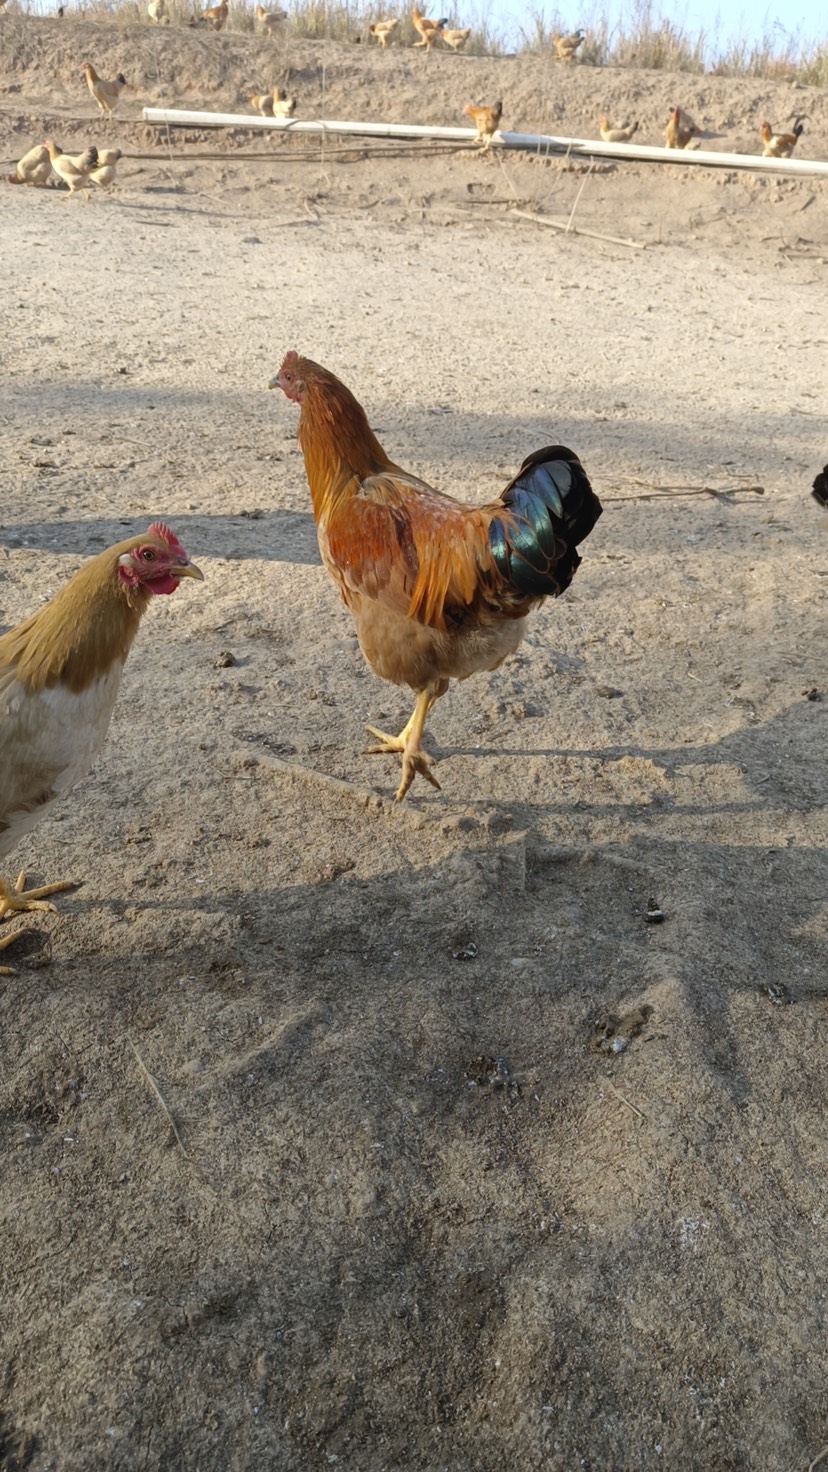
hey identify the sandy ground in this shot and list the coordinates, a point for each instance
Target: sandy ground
(419, 1212)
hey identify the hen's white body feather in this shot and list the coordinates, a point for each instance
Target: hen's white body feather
(48, 741)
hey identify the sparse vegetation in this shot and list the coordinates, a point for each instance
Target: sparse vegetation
(647, 38)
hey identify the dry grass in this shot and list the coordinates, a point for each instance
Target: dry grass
(646, 38)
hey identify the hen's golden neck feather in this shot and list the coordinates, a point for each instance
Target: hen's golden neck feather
(78, 635)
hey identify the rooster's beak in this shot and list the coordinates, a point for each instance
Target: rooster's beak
(188, 570)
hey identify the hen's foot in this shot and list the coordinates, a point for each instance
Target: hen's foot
(414, 759)
(12, 901)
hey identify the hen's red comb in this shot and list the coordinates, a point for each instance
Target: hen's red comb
(162, 531)
(291, 357)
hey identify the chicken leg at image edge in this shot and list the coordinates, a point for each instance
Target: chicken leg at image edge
(59, 675)
(438, 590)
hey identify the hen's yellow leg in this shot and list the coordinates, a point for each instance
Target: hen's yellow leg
(14, 900)
(409, 741)
(7, 941)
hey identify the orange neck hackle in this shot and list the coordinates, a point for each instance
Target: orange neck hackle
(338, 444)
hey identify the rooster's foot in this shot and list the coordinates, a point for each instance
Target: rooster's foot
(12, 901)
(414, 759)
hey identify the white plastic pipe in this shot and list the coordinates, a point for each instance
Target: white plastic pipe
(541, 143)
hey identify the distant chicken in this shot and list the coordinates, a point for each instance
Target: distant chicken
(678, 134)
(59, 676)
(381, 29)
(622, 134)
(263, 103)
(820, 490)
(455, 39)
(104, 174)
(428, 30)
(215, 19)
(270, 20)
(438, 590)
(35, 167)
(106, 94)
(158, 13)
(283, 106)
(780, 145)
(73, 169)
(486, 120)
(566, 46)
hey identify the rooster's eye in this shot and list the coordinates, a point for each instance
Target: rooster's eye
(147, 555)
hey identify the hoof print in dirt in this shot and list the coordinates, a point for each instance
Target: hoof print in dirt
(490, 1073)
(614, 1034)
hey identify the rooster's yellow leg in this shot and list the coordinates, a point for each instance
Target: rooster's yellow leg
(14, 900)
(414, 759)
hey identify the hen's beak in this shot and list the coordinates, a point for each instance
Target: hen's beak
(273, 383)
(188, 570)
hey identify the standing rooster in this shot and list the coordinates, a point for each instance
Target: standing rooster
(438, 589)
(59, 675)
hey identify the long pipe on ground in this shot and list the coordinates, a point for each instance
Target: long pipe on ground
(541, 143)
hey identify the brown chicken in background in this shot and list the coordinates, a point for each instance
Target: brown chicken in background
(438, 590)
(35, 167)
(104, 174)
(282, 105)
(215, 19)
(820, 488)
(678, 134)
(59, 675)
(455, 39)
(381, 30)
(428, 30)
(566, 46)
(263, 103)
(270, 20)
(621, 134)
(106, 94)
(780, 145)
(73, 169)
(486, 120)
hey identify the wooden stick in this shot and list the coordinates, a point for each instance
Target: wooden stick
(364, 797)
(569, 229)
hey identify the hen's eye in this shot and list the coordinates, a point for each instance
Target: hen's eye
(147, 555)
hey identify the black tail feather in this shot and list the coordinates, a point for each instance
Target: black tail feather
(820, 490)
(552, 509)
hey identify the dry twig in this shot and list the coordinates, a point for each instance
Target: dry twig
(159, 1096)
(619, 1095)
